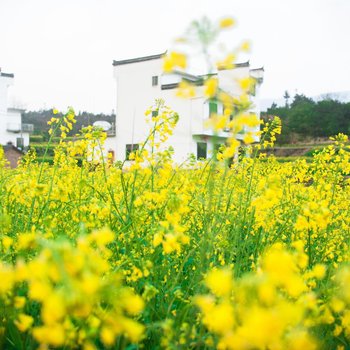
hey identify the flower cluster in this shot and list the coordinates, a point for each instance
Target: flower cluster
(67, 295)
(97, 255)
(272, 308)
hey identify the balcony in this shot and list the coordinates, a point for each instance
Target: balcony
(27, 127)
(211, 133)
(17, 127)
(200, 128)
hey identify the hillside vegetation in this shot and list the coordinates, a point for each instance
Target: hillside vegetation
(307, 121)
(41, 118)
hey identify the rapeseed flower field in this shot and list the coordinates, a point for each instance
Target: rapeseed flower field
(148, 254)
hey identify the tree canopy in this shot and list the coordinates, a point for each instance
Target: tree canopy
(305, 117)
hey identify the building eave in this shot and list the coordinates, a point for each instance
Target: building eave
(236, 65)
(257, 69)
(20, 110)
(187, 76)
(169, 86)
(7, 75)
(209, 134)
(138, 59)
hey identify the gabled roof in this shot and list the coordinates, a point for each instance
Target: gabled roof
(138, 59)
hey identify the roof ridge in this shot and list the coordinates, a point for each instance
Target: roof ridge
(139, 59)
(261, 68)
(7, 75)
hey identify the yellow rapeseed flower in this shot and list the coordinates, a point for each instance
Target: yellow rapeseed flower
(24, 322)
(210, 87)
(19, 302)
(220, 281)
(248, 138)
(227, 22)
(186, 90)
(227, 62)
(174, 60)
(245, 46)
(50, 335)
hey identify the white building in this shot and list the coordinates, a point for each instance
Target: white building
(141, 80)
(11, 128)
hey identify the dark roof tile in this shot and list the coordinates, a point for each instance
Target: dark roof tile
(7, 75)
(138, 59)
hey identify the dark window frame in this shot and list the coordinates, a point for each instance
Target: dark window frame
(202, 150)
(20, 142)
(155, 80)
(129, 148)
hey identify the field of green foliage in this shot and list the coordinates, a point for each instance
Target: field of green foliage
(147, 254)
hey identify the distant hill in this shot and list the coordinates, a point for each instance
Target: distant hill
(40, 118)
(342, 96)
(317, 117)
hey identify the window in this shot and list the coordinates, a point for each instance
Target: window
(201, 150)
(130, 148)
(213, 108)
(155, 80)
(20, 142)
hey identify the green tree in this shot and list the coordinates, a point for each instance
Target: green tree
(302, 117)
(286, 96)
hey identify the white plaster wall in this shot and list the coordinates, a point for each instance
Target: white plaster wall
(256, 108)
(7, 136)
(135, 94)
(190, 118)
(229, 79)
(9, 119)
(5, 82)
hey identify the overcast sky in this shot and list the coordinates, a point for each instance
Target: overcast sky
(61, 51)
